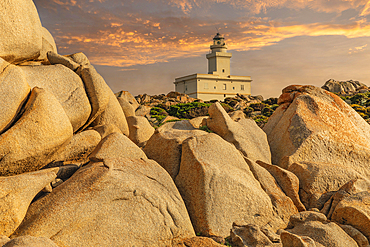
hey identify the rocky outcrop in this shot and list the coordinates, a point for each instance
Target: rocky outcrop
(288, 182)
(165, 144)
(113, 114)
(48, 44)
(14, 91)
(342, 87)
(218, 192)
(245, 134)
(313, 125)
(355, 211)
(313, 225)
(30, 241)
(66, 86)
(140, 130)
(116, 145)
(317, 181)
(21, 31)
(42, 129)
(154, 213)
(283, 205)
(16, 195)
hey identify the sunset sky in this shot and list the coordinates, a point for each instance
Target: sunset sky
(141, 46)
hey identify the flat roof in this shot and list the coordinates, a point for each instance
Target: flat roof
(212, 77)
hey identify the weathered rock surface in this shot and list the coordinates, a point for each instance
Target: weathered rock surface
(248, 235)
(143, 110)
(128, 98)
(54, 58)
(127, 108)
(197, 122)
(237, 115)
(318, 181)
(42, 129)
(30, 241)
(313, 225)
(48, 44)
(342, 86)
(97, 91)
(3, 240)
(360, 239)
(116, 145)
(314, 125)
(245, 134)
(355, 211)
(21, 31)
(14, 91)
(106, 129)
(16, 195)
(287, 181)
(165, 144)
(79, 58)
(140, 130)
(198, 242)
(96, 195)
(283, 205)
(113, 114)
(218, 192)
(291, 240)
(66, 86)
(79, 147)
(353, 187)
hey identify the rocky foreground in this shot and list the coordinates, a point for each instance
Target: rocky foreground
(81, 166)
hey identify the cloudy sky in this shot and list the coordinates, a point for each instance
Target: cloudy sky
(141, 46)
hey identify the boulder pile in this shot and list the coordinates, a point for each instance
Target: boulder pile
(81, 166)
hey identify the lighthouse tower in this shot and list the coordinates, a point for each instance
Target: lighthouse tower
(219, 59)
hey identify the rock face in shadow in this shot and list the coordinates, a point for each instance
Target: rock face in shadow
(14, 91)
(218, 192)
(314, 125)
(66, 86)
(16, 195)
(42, 129)
(121, 202)
(21, 30)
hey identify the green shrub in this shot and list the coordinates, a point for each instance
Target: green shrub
(358, 108)
(184, 110)
(267, 111)
(258, 106)
(270, 101)
(359, 98)
(205, 128)
(158, 111)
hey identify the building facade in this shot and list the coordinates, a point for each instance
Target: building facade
(218, 84)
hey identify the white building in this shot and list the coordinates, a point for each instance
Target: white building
(218, 83)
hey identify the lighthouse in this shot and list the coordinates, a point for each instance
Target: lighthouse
(218, 84)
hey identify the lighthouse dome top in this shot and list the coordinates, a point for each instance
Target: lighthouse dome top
(218, 37)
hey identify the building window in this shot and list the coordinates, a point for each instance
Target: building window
(223, 70)
(224, 95)
(214, 87)
(242, 87)
(205, 85)
(224, 86)
(233, 88)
